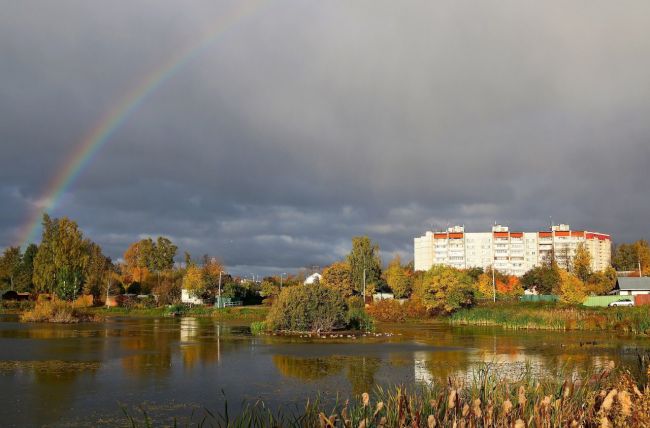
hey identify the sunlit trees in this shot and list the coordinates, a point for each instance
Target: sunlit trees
(339, 277)
(62, 258)
(147, 256)
(194, 281)
(98, 268)
(364, 256)
(582, 262)
(572, 289)
(444, 289)
(10, 264)
(397, 278)
(600, 283)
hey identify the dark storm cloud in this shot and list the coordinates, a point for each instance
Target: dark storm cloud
(307, 123)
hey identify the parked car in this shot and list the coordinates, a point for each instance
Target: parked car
(622, 302)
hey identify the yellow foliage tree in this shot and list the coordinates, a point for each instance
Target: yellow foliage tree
(572, 290)
(194, 280)
(339, 277)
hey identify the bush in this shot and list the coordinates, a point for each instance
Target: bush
(56, 311)
(387, 311)
(414, 308)
(312, 308)
(355, 302)
(358, 319)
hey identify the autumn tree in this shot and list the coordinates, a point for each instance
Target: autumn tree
(582, 262)
(397, 278)
(601, 283)
(444, 289)
(572, 289)
(25, 277)
(364, 256)
(194, 281)
(99, 267)
(339, 277)
(62, 258)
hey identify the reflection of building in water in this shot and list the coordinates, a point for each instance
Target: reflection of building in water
(422, 373)
(189, 329)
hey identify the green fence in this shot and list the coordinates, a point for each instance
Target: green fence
(604, 300)
(223, 302)
(539, 298)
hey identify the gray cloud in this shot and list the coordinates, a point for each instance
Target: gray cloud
(309, 122)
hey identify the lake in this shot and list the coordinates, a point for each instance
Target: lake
(80, 375)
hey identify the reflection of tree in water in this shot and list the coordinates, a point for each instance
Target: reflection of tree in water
(361, 373)
(360, 370)
(152, 347)
(308, 368)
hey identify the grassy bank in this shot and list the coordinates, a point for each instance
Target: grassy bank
(606, 398)
(235, 313)
(556, 316)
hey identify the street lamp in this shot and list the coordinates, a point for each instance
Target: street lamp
(219, 301)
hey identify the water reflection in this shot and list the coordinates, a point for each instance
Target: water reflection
(46, 370)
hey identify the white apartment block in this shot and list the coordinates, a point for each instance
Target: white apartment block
(513, 253)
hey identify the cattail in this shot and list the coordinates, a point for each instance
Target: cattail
(465, 410)
(365, 398)
(609, 400)
(507, 407)
(623, 397)
(546, 402)
(382, 422)
(431, 421)
(451, 402)
(605, 423)
(490, 412)
(476, 408)
(520, 423)
(380, 406)
(522, 396)
(363, 423)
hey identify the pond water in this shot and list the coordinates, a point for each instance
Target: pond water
(80, 375)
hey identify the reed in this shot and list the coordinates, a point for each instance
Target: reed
(606, 398)
(556, 317)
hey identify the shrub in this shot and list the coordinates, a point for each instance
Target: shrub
(358, 319)
(56, 311)
(258, 327)
(312, 308)
(444, 289)
(387, 311)
(414, 308)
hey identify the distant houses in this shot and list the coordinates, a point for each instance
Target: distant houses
(631, 286)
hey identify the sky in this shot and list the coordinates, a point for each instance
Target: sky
(305, 123)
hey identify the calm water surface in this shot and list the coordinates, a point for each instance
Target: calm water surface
(80, 375)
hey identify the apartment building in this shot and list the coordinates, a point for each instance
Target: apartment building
(509, 252)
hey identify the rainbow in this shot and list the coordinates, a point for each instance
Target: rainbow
(114, 118)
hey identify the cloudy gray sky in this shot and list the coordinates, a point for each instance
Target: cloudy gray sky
(308, 122)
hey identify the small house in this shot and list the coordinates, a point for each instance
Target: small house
(632, 286)
(313, 278)
(188, 297)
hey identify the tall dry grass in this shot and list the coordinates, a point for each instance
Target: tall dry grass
(57, 311)
(605, 399)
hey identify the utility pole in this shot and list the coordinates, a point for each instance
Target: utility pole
(220, 272)
(364, 286)
(494, 286)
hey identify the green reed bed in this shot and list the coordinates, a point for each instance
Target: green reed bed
(556, 317)
(606, 398)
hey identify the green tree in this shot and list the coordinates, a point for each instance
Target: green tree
(444, 289)
(270, 288)
(25, 277)
(10, 264)
(582, 262)
(339, 277)
(364, 256)
(545, 279)
(397, 278)
(62, 258)
(44, 268)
